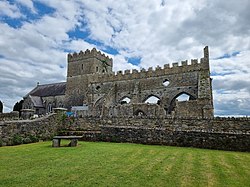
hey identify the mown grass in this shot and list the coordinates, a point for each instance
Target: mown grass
(120, 164)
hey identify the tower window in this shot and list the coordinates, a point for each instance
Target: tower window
(82, 66)
(96, 69)
(98, 87)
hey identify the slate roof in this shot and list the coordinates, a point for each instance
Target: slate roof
(48, 90)
(37, 101)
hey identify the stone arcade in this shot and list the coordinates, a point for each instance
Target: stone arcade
(91, 83)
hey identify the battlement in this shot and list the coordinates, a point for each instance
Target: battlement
(184, 66)
(176, 67)
(90, 54)
(194, 65)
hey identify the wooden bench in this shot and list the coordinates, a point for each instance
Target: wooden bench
(73, 140)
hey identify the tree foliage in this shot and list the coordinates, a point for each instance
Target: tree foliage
(18, 106)
(1, 107)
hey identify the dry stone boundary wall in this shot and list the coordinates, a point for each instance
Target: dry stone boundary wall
(216, 133)
(9, 116)
(28, 131)
(212, 133)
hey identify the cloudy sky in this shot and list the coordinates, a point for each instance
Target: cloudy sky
(36, 35)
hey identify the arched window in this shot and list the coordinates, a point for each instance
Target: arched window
(178, 98)
(125, 100)
(183, 97)
(60, 105)
(152, 100)
(49, 108)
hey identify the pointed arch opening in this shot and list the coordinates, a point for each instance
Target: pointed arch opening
(152, 99)
(125, 100)
(180, 97)
(99, 101)
(183, 97)
(98, 107)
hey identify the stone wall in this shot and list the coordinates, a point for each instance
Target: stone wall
(9, 116)
(27, 131)
(103, 91)
(223, 141)
(213, 133)
(216, 133)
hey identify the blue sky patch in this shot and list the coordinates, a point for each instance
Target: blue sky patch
(134, 60)
(229, 72)
(228, 55)
(85, 35)
(77, 33)
(27, 14)
(15, 23)
(43, 9)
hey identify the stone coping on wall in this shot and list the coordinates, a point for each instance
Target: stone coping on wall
(26, 120)
(9, 116)
(173, 118)
(174, 129)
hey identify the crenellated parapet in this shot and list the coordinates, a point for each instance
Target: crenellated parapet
(90, 54)
(167, 69)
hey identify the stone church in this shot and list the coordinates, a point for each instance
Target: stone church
(93, 89)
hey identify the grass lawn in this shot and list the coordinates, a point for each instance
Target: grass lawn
(121, 164)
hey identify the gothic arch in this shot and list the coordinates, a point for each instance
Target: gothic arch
(98, 107)
(173, 99)
(124, 99)
(98, 102)
(124, 95)
(151, 96)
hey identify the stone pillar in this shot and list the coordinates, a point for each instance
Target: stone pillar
(208, 111)
(73, 143)
(56, 142)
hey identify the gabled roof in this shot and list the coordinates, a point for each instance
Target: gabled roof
(48, 90)
(37, 101)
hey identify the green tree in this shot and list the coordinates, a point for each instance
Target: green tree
(1, 107)
(18, 107)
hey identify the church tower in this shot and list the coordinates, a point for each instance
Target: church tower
(81, 68)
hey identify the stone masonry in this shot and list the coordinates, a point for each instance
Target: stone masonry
(91, 82)
(93, 86)
(13, 132)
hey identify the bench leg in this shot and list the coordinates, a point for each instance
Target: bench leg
(73, 143)
(56, 142)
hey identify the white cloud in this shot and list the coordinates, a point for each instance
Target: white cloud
(28, 4)
(9, 10)
(158, 32)
(120, 63)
